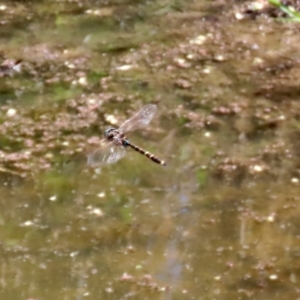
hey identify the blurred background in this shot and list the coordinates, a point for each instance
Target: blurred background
(220, 221)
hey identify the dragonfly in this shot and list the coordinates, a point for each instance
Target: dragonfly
(113, 146)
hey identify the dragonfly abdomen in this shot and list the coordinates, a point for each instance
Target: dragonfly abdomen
(146, 153)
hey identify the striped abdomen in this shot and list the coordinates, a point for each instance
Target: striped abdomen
(146, 153)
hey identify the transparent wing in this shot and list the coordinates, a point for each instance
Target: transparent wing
(140, 119)
(107, 154)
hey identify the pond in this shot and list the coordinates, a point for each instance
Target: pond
(219, 221)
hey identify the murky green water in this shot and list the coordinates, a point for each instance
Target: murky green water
(220, 221)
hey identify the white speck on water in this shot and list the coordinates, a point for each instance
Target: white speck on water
(11, 112)
(18, 67)
(219, 57)
(82, 81)
(258, 61)
(271, 218)
(258, 168)
(239, 16)
(69, 65)
(111, 119)
(101, 195)
(103, 12)
(257, 5)
(207, 134)
(49, 155)
(273, 277)
(73, 254)
(53, 198)
(124, 67)
(92, 101)
(97, 211)
(199, 40)
(206, 70)
(181, 62)
(295, 180)
(28, 223)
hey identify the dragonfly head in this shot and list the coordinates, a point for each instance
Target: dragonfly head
(109, 133)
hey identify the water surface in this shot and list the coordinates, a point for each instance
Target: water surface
(220, 221)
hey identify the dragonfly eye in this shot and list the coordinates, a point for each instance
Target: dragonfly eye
(109, 133)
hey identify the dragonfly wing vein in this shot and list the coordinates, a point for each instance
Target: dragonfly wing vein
(106, 155)
(140, 119)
